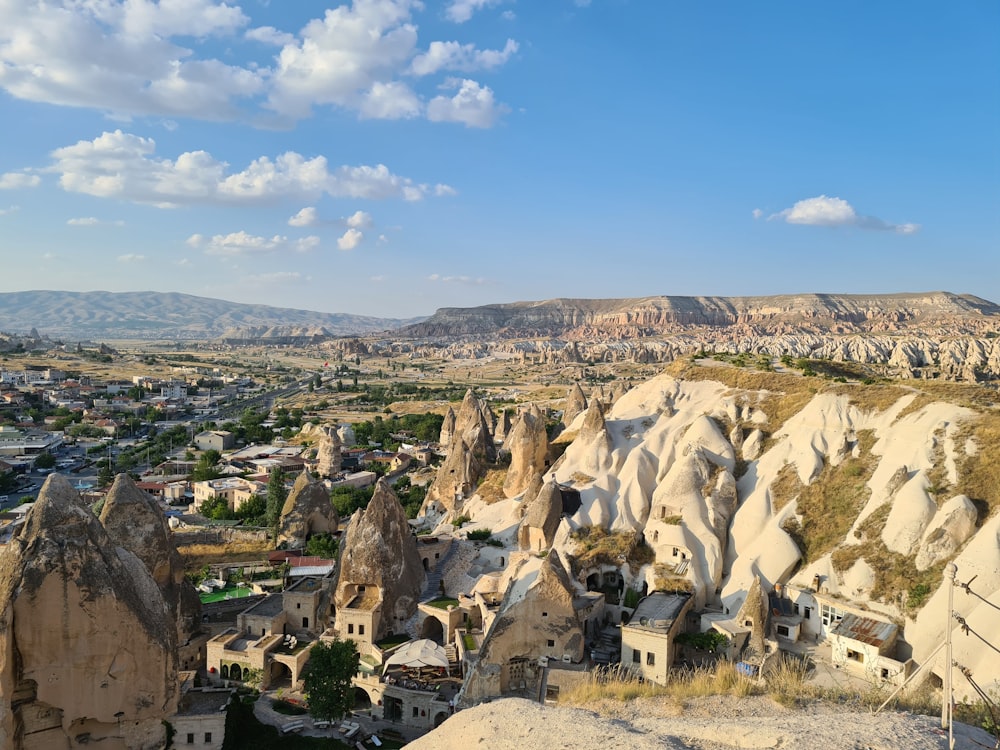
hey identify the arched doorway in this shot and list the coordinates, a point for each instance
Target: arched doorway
(362, 701)
(281, 675)
(235, 673)
(432, 629)
(224, 672)
(427, 564)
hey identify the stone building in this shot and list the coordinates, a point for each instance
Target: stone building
(648, 639)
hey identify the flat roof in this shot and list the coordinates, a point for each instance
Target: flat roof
(659, 610)
(203, 702)
(269, 606)
(865, 629)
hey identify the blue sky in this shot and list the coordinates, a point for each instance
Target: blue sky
(388, 157)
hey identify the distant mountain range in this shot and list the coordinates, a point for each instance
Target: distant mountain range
(621, 319)
(157, 315)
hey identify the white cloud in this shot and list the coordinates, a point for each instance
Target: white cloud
(270, 35)
(389, 101)
(131, 258)
(382, 240)
(824, 211)
(122, 165)
(461, 11)
(276, 277)
(343, 55)
(757, 213)
(242, 243)
(463, 57)
(9, 210)
(16, 180)
(473, 105)
(163, 58)
(377, 279)
(359, 220)
(350, 239)
(468, 280)
(90, 221)
(306, 217)
(119, 57)
(508, 15)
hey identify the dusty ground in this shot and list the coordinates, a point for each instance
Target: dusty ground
(717, 723)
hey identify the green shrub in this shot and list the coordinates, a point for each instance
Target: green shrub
(479, 535)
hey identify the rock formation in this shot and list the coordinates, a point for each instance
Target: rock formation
(576, 404)
(346, 434)
(447, 428)
(380, 553)
(541, 518)
(503, 427)
(133, 521)
(528, 444)
(472, 427)
(307, 511)
(536, 618)
(88, 649)
(753, 615)
(328, 453)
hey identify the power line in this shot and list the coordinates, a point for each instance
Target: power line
(968, 630)
(968, 590)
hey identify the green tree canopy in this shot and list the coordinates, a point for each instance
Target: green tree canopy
(45, 460)
(328, 676)
(276, 495)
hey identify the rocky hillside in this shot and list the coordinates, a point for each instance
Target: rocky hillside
(932, 335)
(154, 315)
(613, 319)
(723, 475)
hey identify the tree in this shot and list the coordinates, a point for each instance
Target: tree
(276, 496)
(45, 460)
(328, 676)
(322, 545)
(205, 468)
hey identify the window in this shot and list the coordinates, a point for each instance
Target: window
(298, 605)
(783, 631)
(208, 737)
(305, 622)
(650, 659)
(361, 629)
(350, 628)
(856, 656)
(416, 712)
(190, 738)
(636, 656)
(545, 614)
(675, 552)
(550, 643)
(807, 612)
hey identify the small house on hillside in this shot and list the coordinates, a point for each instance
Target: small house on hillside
(648, 638)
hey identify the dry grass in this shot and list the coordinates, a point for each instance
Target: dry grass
(829, 506)
(979, 475)
(490, 488)
(787, 684)
(785, 487)
(598, 546)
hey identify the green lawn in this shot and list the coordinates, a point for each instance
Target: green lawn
(230, 592)
(443, 602)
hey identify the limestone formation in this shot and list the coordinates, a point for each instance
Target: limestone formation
(88, 649)
(307, 511)
(541, 519)
(536, 618)
(346, 434)
(753, 615)
(447, 428)
(753, 445)
(328, 453)
(950, 528)
(528, 444)
(133, 521)
(380, 555)
(576, 404)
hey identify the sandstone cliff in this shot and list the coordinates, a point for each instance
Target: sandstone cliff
(87, 644)
(380, 553)
(133, 521)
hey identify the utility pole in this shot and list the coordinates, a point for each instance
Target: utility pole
(950, 572)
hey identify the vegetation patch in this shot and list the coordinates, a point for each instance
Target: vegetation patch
(785, 487)
(979, 474)
(829, 506)
(598, 546)
(490, 488)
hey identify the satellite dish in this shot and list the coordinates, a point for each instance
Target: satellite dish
(644, 621)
